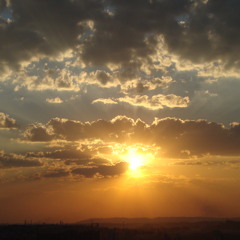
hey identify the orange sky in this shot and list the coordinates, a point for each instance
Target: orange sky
(115, 108)
(157, 189)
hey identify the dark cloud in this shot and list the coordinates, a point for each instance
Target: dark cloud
(211, 33)
(176, 137)
(120, 32)
(208, 162)
(73, 156)
(75, 130)
(77, 162)
(15, 161)
(103, 170)
(103, 77)
(41, 28)
(93, 161)
(6, 122)
(63, 154)
(3, 4)
(57, 173)
(38, 133)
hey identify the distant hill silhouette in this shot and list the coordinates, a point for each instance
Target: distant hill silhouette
(155, 220)
(162, 222)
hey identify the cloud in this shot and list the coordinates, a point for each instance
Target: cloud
(62, 154)
(40, 78)
(156, 102)
(56, 100)
(188, 138)
(70, 160)
(91, 161)
(210, 161)
(138, 86)
(103, 77)
(72, 155)
(175, 137)
(115, 130)
(53, 29)
(195, 30)
(6, 122)
(16, 161)
(104, 101)
(57, 173)
(38, 133)
(103, 170)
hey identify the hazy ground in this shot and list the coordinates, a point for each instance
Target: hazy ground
(128, 229)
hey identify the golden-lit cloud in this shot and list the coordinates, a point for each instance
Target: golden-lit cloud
(7, 122)
(104, 170)
(56, 100)
(104, 101)
(157, 101)
(176, 137)
(49, 79)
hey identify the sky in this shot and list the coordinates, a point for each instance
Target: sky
(119, 108)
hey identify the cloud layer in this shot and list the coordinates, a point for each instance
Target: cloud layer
(106, 171)
(176, 137)
(16, 161)
(119, 32)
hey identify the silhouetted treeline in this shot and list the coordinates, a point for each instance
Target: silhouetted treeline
(169, 231)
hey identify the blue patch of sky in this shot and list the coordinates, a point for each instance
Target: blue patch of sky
(86, 35)
(110, 10)
(183, 19)
(6, 14)
(40, 67)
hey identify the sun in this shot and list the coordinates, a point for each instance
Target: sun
(139, 159)
(135, 159)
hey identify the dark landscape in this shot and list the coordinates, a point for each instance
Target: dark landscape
(128, 229)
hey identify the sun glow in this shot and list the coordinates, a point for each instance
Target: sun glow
(139, 160)
(135, 159)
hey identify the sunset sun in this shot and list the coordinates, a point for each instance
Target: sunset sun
(138, 158)
(135, 159)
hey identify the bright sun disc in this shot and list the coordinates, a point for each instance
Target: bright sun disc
(135, 160)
